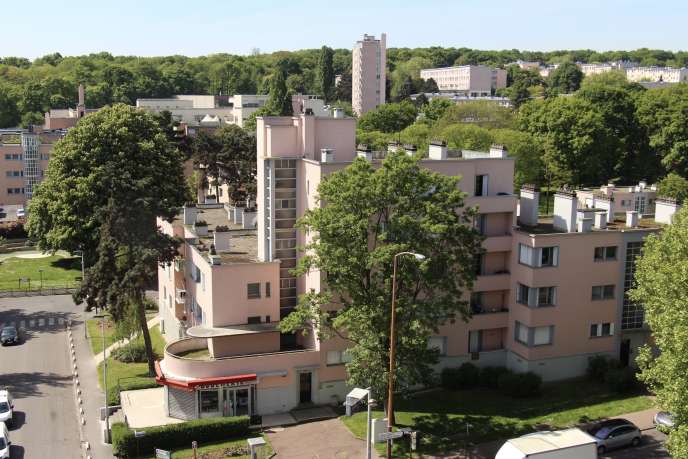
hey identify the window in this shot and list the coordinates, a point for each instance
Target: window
(439, 343)
(545, 296)
(210, 401)
(603, 292)
(253, 290)
(267, 290)
(478, 264)
(605, 253)
(542, 336)
(480, 223)
(538, 257)
(536, 297)
(15, 191)
(253, 320)
(474, 340)
(197, 273)
(338, 357)
(522, 295)
(521, 333)
(481, 185)
(599, 330)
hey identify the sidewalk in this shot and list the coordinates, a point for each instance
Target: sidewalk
(99, 357)
(93, 397)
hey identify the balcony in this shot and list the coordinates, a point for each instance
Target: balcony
(501, 243)
(493, 204)
(189, 358)
(492, 282)
(489, 318)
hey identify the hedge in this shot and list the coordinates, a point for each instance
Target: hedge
(520, 384)
(125, 445)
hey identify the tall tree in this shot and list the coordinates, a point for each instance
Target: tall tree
(237, 160)
(673, 186)
(325, 73)
(343, 89)
(279, 100)
(391, 117)
(108, 180)
(368, 215)
(660, 285)
(9, 115)
(565, 79)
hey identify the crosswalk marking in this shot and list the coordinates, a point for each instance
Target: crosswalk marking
(22, 324)
(27, 324)
(41, 322)
(51, 321)
(60, 321)
(32, 323)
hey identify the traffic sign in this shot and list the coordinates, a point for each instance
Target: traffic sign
(384, 436)
(162, 454)
(139, 433)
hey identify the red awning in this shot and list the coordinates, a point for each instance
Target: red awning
(193, 384)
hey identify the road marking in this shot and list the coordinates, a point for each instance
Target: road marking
(41, 322)
(60, 321)
(51, 321)
(22, 324)
(32, 323)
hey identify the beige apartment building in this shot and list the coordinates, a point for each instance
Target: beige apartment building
(550, 292)
(656, 74)
(470, 80)
(369, 73)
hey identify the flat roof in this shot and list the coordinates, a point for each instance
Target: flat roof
(202, 331)
(546, 225)
(243, 243)
(540, 442)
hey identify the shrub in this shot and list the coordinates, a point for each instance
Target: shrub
(134, 352)
(599, 365)
(621, 380)
(463, 377)
(489, 376)
(520, 384)
(126, 445)
(14, 230)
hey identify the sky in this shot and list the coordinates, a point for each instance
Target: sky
(200, 27)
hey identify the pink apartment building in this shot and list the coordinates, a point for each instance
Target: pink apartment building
(550, 293)
(368, 73)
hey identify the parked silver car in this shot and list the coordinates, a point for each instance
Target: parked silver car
(615, 433)
(664, 419)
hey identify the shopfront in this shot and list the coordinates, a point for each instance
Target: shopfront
(226, 400)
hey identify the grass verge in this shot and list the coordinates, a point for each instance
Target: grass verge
(217, 450)
(57, 272)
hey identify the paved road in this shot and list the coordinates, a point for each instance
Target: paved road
(37, 373)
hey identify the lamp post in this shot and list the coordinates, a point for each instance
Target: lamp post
(392, 346)
(105, 384)
(40, 272)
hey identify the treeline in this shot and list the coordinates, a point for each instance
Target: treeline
(28, 89)
(608, 130)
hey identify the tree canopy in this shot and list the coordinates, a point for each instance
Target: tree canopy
(392, 117)
(660, 285)
(370, 215)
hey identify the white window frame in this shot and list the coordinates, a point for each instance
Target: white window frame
(532, 256)
(438, 342)
(599, 330)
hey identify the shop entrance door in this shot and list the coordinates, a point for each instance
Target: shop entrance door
(305, 386)
(237, 402)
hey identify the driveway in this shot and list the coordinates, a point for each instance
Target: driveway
(328, 439)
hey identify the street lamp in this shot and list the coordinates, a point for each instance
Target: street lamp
(392, 346)
(105, 385)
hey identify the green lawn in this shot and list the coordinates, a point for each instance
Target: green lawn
(95, 333)
(58, 271)
(136, 374)
(442, 415)
(216, 450)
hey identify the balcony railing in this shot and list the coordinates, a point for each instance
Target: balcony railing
(480, 309)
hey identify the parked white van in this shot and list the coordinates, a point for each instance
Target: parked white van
(559, 444)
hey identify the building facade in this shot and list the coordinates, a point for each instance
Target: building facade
(656, 74)
(470, 80)
(369, 73)
(550, 292)
(604, 67)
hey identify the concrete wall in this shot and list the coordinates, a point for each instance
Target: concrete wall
(258, 343)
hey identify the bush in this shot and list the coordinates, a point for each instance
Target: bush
(489, 376)
(520, 384)
(621, 380)
(134, 352)
(464, 377)
(126, 445)
(599, 365)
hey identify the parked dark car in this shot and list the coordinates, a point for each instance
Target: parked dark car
(615, 433)
(9, 335)
(664, 419)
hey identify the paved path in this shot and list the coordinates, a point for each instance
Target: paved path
(99, 357)
(38, 374)
(316, 440)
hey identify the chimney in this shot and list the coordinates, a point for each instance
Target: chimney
(642, 185)
(665, 208)
(565, 208)
(632, 218)
(584, 225)
(607, 204)
(410, 149)
(498, 151)
(364, 151)
(221, 239)
(326, 155)
(600, 219)
(529, 203)
(437, 150)
(190, 213)
(82, 99)
(337, 112)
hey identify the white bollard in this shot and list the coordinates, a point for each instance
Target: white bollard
(83, 420)
(79, 401)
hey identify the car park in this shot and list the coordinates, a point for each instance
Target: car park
(9, 335)
(615, 433)
(6, 407)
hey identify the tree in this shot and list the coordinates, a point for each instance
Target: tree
(325, 73)
(237, 160)
(481, 113)
(673, 186)
(279, 101)
(371, 214)
(565, 79)
(9, 115)
(392, 117)
(573, 133)
(467, 137)
(108, 180)
(663, 113)
(521, 84)
(343, 89)
(527, 152)
(660, 280)
(405, 89)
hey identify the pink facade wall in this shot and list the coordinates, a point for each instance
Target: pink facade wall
(258, 343)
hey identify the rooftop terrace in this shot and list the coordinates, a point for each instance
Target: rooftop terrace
(546, 226)
(243, 243)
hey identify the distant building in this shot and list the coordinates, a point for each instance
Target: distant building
(462, 98)
(598, 68)
(65, 118)
(526, 65)
(547, 69)
(470, 80)
(368, 73)
(656, 74)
